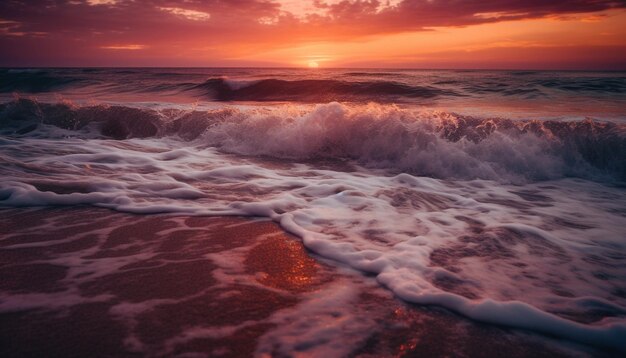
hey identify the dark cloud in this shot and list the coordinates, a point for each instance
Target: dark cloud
(57, 30)
(366, 16)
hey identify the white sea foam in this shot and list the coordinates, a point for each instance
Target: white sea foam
(492, 244)
(421, 142)
(321, 326)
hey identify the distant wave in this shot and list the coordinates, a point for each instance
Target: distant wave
(601, 85)
(220, 88)
(522, 73)
(370, 74)
(504, 90)
(540, 87)
(34, 81)
(436, 144)
(223, 89)
(361, 86)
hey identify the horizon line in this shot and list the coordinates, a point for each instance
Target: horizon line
(317, 69)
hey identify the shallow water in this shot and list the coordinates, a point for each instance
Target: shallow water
(94, 282)
(515, 219)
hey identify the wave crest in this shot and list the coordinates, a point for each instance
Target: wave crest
(429, 143)
(312, 90)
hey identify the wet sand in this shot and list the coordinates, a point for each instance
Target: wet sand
(78, 282)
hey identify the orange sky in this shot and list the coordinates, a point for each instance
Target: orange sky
(575, 34)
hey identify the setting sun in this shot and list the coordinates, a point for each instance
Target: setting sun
(313, 64)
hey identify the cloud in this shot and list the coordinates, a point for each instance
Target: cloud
(100, 2)
(357, 17)
(124, 47)
(188, 14)
(238, 27)
(370, 17)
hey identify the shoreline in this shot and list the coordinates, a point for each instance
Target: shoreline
(88, 281)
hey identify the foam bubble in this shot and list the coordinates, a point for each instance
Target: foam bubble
(526, 255)
(422, 142)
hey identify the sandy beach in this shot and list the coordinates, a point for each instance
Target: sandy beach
(92, 282)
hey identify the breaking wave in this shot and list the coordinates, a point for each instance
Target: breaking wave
(517, 251)
(427, 143)
(313, 90)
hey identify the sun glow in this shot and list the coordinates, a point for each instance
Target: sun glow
(586, 34)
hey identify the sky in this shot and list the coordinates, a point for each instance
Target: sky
(479, 34)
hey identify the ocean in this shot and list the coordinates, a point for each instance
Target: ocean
(497, 195)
